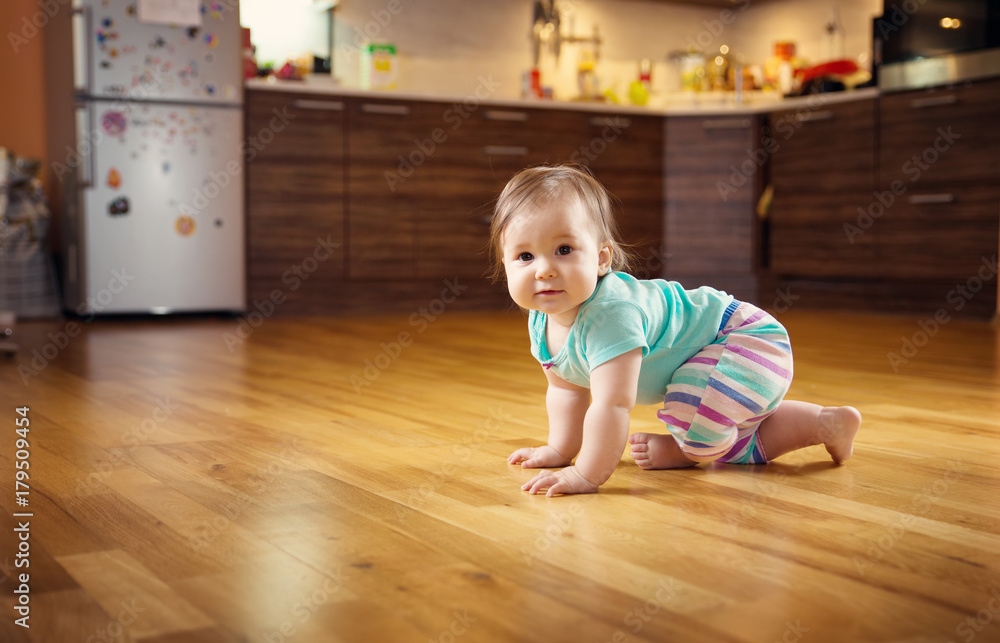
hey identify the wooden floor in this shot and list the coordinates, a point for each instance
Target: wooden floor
(322, 481)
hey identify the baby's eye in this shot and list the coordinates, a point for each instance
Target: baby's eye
(525, 256)
(565, 250)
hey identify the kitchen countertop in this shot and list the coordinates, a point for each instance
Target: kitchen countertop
(703, 105)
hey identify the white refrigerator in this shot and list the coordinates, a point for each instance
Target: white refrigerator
(152, 175)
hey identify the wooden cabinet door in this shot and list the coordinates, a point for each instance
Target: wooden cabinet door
(625, 153)
(823, 176)
(386, 176)
(295, 204)
(940, 158)
(710, 227)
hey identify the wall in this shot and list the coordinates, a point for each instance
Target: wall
(22, 105)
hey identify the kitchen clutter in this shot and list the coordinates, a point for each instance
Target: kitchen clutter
(28, 285)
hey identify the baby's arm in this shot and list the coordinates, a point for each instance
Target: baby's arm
(613, 386)
(566, 405)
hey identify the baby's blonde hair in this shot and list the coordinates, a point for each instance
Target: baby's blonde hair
(537, 186)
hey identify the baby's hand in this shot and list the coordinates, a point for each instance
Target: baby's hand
(566, 481)
(537, 457)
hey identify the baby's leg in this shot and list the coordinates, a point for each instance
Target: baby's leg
(795, 425)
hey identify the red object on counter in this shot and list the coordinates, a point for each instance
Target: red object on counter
(832, 68)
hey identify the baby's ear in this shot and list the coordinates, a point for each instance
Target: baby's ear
(604, 260)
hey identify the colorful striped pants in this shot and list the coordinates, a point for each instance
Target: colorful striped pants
(716, 400)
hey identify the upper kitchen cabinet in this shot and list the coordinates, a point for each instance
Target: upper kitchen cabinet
(822, 171)
(295, 205)
(712, 186)
(939, 162)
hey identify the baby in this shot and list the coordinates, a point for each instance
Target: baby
(607, 341)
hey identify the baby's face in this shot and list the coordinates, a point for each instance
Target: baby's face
(553, 259)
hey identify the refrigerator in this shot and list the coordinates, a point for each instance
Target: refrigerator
(148, 154)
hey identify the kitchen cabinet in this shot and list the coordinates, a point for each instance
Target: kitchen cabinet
(404, 190)
(939, 156)
(712, 185)
(295, 187)
(822, 170)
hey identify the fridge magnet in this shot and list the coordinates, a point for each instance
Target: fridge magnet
(114, 52)
(105, 64)
(166, 167)
(193, 32)
(108, 23)
(211, 40)
(217, 10)
(118, 207)
(130, 10)
(210, 89)
(185, 226)
(159, 43)
(218, 223)
(113, 123)
(114, 178)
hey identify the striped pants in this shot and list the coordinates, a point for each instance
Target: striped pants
(716, 400)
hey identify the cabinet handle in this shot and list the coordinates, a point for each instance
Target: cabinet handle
(726, 123)
(808, 117)
(925, 199)
(504, 115)
(937, 101)
(304, 103)
(610, 121)
(377, 108)
(505, 150)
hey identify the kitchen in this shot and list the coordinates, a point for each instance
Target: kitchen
(286, 417)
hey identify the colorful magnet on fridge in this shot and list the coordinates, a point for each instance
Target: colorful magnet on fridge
(185, 226)
(113, 123)
(211, 40)
(114, 178)
(118, 207)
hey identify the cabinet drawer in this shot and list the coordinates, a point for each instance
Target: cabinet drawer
(939, 231)
(829, 149)
(291, 127)
(942, 135)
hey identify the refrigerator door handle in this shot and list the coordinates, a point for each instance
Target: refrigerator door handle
(85, 144)
(83, 27)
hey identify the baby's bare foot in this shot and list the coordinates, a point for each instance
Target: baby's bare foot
(656, 451)
(838, 426)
